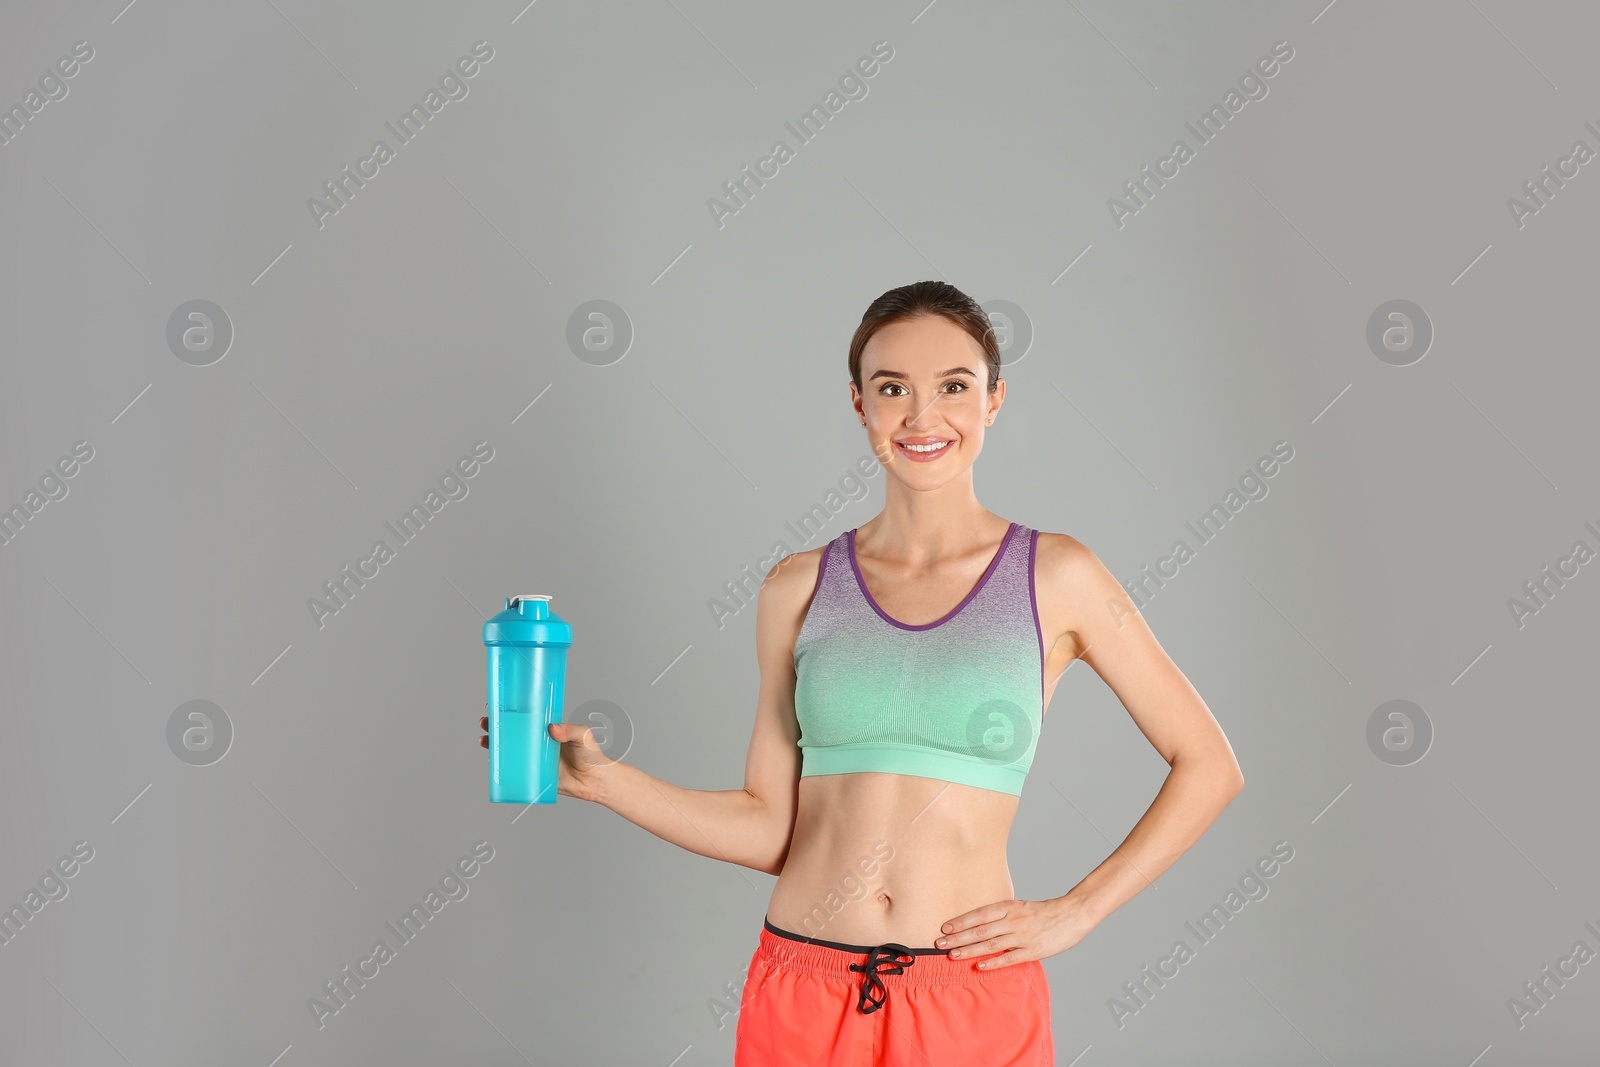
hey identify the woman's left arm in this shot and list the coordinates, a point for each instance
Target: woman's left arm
(1106, 631)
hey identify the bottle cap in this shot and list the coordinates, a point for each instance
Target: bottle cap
(527, 620)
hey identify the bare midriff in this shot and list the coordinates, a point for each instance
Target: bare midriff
(881, 857)
(946, 845)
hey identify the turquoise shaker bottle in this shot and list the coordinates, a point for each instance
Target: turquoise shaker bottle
(526, 646)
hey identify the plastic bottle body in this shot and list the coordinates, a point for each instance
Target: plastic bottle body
(525, 696)
(526, 666)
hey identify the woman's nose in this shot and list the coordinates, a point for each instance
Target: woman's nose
(916, 419)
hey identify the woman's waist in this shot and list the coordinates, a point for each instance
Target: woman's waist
(844, 818)
(868, 892)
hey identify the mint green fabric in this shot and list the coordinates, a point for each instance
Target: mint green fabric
(960, 699)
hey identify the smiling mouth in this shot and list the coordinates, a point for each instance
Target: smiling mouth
(928, 451)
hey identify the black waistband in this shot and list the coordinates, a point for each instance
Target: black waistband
(860, 949)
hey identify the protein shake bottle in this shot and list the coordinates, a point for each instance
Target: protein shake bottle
(526, 646)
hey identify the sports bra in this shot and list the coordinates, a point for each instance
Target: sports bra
(960, 699)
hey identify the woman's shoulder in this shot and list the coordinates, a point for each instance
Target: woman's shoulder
(1059, 544)
(795, 574)
(1076, 593)
(785, 599)
(1066, 564)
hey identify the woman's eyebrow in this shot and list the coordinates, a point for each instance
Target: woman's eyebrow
(942, 374)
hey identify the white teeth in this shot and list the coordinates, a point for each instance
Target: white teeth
(925, 448)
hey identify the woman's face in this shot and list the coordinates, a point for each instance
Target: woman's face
(924, 382)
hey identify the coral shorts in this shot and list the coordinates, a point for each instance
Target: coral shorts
(827, 1004)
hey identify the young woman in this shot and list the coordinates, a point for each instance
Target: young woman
(905, 669)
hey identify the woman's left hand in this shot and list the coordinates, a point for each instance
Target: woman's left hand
(1029, 929)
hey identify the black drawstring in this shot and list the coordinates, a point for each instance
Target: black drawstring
(885, 959)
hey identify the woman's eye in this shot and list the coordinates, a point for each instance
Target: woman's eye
(961, 387)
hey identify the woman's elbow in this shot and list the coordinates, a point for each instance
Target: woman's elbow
(1219, 770)
(1232, 776)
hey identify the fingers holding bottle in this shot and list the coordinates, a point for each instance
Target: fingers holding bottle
(582, 760)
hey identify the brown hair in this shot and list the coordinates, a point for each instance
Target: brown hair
(927, 298)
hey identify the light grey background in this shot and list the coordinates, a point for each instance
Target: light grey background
(369, 355)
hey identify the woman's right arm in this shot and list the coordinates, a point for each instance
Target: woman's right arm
(752, 826)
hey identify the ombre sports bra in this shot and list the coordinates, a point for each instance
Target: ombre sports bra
(959, 700)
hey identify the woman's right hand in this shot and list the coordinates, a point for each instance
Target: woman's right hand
(582, 760)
